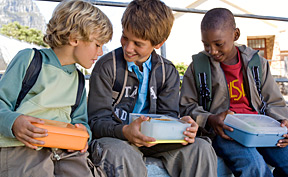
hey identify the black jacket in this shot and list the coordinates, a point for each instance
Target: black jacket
(163, 99)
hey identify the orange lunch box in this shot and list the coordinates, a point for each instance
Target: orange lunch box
(62, 135)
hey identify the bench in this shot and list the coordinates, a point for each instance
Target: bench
(155, 168)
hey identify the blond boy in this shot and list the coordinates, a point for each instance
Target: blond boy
(75, 33)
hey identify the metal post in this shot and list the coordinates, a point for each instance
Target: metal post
(163, 50)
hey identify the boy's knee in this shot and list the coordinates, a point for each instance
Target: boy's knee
(110, 147)
(203, 144)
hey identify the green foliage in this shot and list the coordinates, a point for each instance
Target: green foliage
(181, 67)
(17, 31)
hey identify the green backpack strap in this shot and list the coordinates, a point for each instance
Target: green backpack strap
(202, 69)
(255, 63)
(256, 69)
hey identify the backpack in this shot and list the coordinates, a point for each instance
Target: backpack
(202, 75)
(32, 74)
(119, 82)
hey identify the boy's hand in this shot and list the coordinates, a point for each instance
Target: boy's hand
(216, 121)
(133, 134)
(190, 131)
(283, 142)
(25, 132)
(86, 146)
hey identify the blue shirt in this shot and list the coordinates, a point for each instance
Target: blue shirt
(142, 104)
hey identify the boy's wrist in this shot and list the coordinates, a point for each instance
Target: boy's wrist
(209, 119)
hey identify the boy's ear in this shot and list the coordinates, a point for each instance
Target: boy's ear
(236, 34)
(73, 41)
(159, 45)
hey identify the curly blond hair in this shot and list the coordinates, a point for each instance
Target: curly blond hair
(79, 19)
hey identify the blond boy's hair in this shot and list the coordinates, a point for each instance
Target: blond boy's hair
(79, 19)
(149, 20)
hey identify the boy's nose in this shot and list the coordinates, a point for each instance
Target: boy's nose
(100, 53)
(213, 51)
(129, 47)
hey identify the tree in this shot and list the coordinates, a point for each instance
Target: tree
(17, 31)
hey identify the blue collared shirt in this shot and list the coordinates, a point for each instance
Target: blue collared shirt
(142, 104)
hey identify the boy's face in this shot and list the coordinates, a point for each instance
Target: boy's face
(86, 52)
(220, 44)
(135, 49)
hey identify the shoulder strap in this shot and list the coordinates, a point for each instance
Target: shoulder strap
(30, 77)
(119, 82)
(201, 65)
(256, 69)
(81, 85)
(255, 63)
(32, 74)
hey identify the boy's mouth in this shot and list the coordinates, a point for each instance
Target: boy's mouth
(130, 55)
(217, 57)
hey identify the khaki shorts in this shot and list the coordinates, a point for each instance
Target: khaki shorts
(26, 162)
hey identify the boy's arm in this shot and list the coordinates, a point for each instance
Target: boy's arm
(100, 101)
(189, 99)
(80, 114)
(276, 105)
(10, 86)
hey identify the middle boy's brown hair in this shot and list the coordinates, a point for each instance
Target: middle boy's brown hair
(148, 20)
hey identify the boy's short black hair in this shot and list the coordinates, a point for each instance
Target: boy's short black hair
(218, 18)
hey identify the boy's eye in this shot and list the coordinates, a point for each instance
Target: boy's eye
(219, 44)
(137, 44)
(97, 45)
(124, 37)
(206, 45)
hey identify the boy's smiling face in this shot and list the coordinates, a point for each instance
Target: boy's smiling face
(135, 49)
(219, 44)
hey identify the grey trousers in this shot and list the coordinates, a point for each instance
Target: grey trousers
(119, 158)
(26, 162)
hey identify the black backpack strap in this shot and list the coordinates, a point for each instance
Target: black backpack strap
(120, 67)
(81, 85)
(256, 69)
(202, 69)
(30, 77)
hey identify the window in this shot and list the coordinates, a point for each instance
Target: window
(258, 44)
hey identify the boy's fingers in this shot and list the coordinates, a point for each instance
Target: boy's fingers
(37, 130)
(34, 120)
(223, 135)
(29, 141)
(189, 140)
(190, 134)
(80, 126)
(284, 123)
(32, 140)
(226, 137)
(192, 129)
(188, 119)
(32, 134)
(145, 139)
(227, 128)
(230, 112)
(282, 143)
